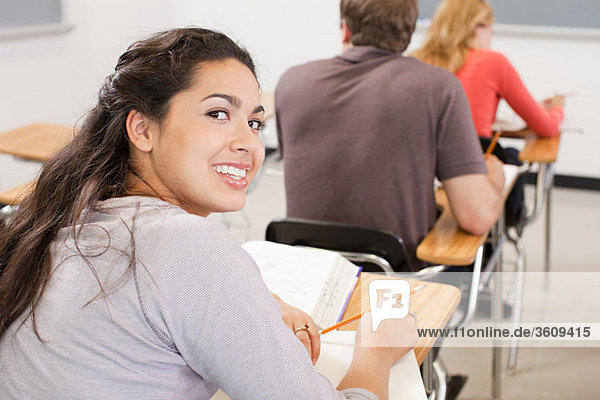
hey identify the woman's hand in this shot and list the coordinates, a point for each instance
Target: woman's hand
(495, 171)
(376, 352)
(557, 100)
(392, 340)
(303, 327)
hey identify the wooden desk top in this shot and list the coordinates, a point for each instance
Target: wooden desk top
(15, 195)
(541, 150)
(38, 142)
(434, 304)
(446, 243)
(537, 149)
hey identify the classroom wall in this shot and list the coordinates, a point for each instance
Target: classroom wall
(278, 34)
(56, 78)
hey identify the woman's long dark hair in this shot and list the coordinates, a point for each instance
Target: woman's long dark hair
(94, 166)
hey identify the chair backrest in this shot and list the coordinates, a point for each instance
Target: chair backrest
(373, 249)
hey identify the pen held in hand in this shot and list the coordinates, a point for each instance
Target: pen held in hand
(357, 316)
(493, 143)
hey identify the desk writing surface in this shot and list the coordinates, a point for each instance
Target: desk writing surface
(37, 142)
(15, 195)
(536, 149)
(434, 305)
(541, 150)
(446, 243)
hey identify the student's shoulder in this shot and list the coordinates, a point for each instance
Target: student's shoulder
(490, 58)
(303, 71)
(176, 237)
(190, 228)
(299, 80)
(422, 70)
(151, 217)
(427, 76)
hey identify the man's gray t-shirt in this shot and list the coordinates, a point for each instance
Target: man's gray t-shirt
(183, 315)
(364, 134)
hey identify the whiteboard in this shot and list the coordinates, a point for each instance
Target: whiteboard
(27, 18)
(554, 13)
(20, 13)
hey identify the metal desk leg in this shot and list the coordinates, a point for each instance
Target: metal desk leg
(427, 371)
(548, 184)
(548, 230)
(518, 300)
(440, 385)
(497, 311)
(543, 193)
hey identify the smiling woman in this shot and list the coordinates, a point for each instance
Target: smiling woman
(113, 284)
(205, 152)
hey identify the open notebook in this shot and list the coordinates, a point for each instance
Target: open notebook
(316, 281)
(335, 358)
(336, 355)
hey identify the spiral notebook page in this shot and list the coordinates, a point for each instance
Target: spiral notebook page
(316, 281)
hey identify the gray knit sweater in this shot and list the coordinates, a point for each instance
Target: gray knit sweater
(183, 312)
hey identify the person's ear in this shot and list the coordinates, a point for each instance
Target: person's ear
(346, 34)
(138, 131)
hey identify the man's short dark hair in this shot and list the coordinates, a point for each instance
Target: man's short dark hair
(387, 24)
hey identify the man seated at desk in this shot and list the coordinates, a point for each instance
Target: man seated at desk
(364, 134)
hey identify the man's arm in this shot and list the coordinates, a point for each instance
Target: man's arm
(476, 199)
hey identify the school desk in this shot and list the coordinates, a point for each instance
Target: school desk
(36, 142)
(14, 196)
(446, 243)
(543, 152)
(434, 303)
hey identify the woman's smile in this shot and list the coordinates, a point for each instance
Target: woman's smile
(207, 150)
(233, 174)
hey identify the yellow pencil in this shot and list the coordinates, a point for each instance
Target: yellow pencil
(343, 322)
(357, 316)
(492, 143)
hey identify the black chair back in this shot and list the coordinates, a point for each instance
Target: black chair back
(359, 244)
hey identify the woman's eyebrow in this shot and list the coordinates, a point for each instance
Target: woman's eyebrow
(234, 101)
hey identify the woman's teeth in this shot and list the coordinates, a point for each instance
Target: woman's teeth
(232, 172)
